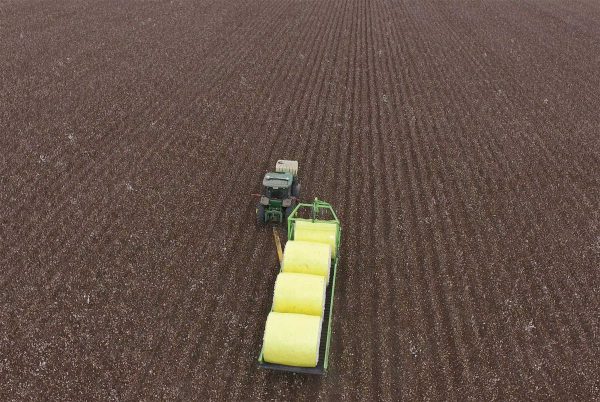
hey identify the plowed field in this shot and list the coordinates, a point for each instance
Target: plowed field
(459, 142)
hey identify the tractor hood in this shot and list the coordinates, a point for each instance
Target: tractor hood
(278, 180)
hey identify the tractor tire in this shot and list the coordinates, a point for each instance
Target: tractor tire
(296, 189)
(260, 214)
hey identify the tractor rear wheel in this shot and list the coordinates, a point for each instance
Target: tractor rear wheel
(296, 189)
(260, 214)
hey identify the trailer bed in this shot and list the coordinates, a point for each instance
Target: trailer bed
(326, 326)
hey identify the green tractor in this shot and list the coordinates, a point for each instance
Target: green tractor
(280, 192)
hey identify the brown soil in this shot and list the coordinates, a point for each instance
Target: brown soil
(458, 141)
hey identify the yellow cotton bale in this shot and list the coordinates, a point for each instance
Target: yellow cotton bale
(299, 293)
(292, 339)
(307, 258)
(318, 232)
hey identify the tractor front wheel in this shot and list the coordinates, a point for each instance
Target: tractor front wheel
(260, 214)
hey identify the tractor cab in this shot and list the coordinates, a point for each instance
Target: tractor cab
(278, 185)
(280, 191)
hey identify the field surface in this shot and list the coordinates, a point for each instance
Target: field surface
(458, 140)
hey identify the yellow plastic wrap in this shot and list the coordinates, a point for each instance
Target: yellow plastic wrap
(307, 258)
(318, 232)
(292, 339)
(299, 293)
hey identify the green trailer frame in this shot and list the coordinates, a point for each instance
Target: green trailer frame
(316, 209)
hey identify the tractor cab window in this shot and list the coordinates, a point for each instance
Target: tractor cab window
(277, 193)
